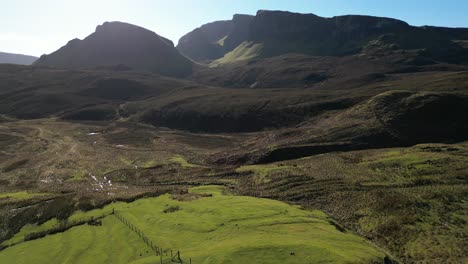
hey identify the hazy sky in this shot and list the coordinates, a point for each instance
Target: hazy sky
(36, 27)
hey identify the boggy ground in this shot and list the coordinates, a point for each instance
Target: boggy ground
(410, 201)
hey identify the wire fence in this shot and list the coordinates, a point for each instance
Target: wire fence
(168, 254)
(159, 251)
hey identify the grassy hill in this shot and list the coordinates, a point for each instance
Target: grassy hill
(409, 200)
(88, 244)
(208, 229)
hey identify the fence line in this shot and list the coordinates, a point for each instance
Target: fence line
(159, 251)
(154, 247)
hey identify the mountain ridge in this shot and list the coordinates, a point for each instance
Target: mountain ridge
(282, 32)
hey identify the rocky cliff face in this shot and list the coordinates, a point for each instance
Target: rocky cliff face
(285, 32)
(116, 43)
(279, 32)
(211, 41)
(203, 43)
(240, 32)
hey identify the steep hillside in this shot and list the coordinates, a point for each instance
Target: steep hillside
(16, 58)
(203, 43)
(116, 43)
(212, 41)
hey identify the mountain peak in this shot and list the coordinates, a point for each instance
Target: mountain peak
(119, 43)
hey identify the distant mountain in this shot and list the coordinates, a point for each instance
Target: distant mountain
(16, 58)
(117, 43)
(213, 40)
(273, 33)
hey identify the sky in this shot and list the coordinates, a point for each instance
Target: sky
(36, 27)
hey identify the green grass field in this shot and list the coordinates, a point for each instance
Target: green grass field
(112, 242)
(222, 228)
(20, 195)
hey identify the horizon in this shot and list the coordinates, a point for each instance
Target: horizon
(31, 22)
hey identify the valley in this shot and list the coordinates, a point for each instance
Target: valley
(59, 167)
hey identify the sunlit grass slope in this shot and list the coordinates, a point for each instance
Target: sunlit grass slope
(218, 229)
(112, 242)
(410, 200)
(245, 51)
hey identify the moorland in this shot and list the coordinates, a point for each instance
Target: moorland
(253, 140)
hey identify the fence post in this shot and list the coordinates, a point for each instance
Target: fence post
(178, 256)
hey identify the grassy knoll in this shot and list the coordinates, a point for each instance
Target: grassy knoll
(210, 229)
